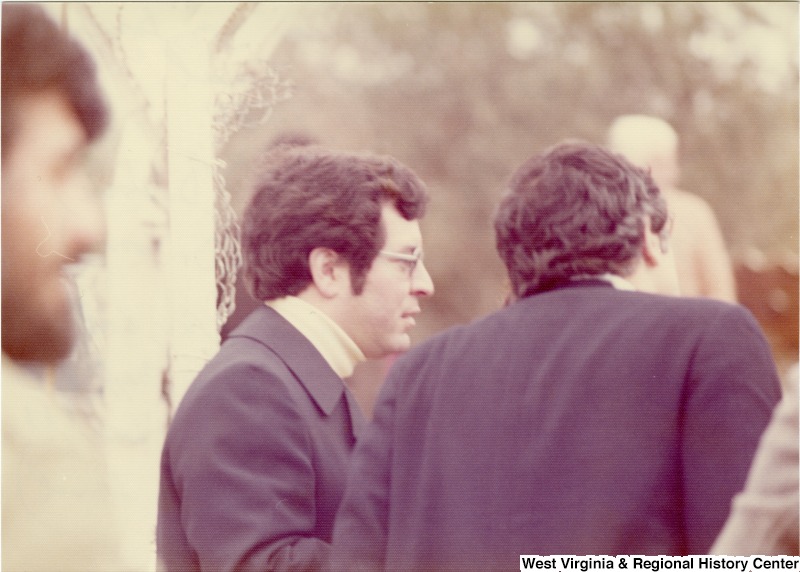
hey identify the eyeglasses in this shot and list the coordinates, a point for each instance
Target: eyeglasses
(410, 259)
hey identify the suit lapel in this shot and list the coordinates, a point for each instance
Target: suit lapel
(357, 420)
(269, 328)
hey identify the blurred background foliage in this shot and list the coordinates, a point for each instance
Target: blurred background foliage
(463, 92)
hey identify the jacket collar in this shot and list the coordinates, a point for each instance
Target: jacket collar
(330, 340)
(272, 330)
(578, 282)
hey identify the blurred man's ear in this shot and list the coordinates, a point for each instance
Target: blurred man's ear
(652, 252)
(656, 272)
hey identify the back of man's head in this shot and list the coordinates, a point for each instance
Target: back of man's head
(309, 196)
(37, 57)
(577, 209)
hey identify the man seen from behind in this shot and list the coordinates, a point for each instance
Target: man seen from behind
(589, 416)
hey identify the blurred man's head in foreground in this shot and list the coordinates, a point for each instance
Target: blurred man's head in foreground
(51, 109)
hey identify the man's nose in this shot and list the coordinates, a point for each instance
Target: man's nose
(421, 282)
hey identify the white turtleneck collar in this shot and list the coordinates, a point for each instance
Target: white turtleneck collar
(617, 282)
(330, 340)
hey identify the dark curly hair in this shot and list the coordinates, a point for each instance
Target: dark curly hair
(307, 197)
(38, 57)
(576, 209)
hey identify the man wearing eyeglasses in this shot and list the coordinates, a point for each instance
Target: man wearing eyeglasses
(255, 462)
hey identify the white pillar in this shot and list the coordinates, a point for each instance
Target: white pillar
(160, 295)
(136, 356)
(190, 155)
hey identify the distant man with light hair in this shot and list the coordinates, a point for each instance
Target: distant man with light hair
(701, 257)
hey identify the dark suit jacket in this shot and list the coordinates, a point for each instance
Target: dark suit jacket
(254, 464)
(583, 420)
